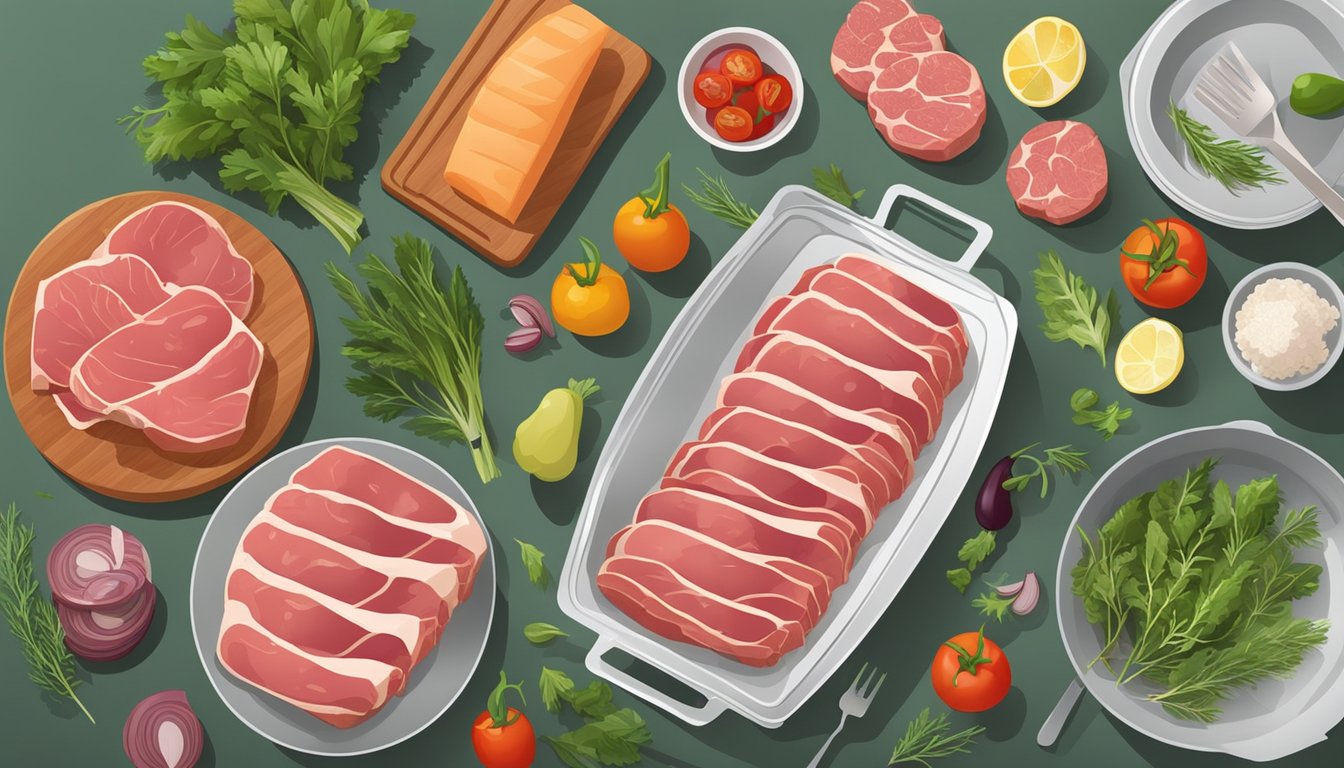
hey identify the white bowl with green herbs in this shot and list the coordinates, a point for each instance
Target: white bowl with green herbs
(1282, 513)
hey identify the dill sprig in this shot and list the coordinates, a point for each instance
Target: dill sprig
(720, 201)
(927, 738)
(1234, 164)
(31, 618)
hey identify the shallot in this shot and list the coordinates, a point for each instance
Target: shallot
(97, 566)
(1028, 596)
(522, 340)
(163, 732)
(531, 314)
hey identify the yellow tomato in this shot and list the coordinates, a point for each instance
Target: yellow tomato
(587, 299)
(654, 244)
(650, 232)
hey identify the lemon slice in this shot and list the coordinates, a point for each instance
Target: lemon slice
(1150, 357)
(1044, 61)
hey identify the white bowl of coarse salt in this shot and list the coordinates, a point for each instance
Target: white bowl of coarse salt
(1281, 326)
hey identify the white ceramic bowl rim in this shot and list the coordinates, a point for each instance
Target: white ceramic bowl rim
(785, 65)
(1308, 274)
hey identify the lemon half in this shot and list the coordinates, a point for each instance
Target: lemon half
(1044, 61)
(1149, 357)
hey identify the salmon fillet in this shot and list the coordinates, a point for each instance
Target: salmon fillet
(521, 110)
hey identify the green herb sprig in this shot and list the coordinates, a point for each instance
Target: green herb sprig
(277, 97)
(1071, 307)
(612, 737)
(1202, 581)
(1233, 163)
(993, 604)
(31, 618)
(832, 184)
(927, 738)
(533, 561)
(1065, 458)
(973, 552)
(1105, 421)
(716, 198)
(417, 348)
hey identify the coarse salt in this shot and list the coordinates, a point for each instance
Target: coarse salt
(1281, 328)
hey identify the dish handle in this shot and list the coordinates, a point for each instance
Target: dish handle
(701, 715)
(983, 232)
(1253, 426)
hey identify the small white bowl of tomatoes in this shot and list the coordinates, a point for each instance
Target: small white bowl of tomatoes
(740, 89)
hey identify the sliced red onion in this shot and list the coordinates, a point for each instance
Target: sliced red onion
(522, 340)
(107, 634)
(163, 732)
(97, 566)
(1026, 600)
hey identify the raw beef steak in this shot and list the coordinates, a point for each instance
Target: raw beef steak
(1058, 172)
(873, 34)
(928, 105)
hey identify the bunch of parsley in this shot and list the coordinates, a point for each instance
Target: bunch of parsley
(278, 98)
(1192, 586)
(611, 736)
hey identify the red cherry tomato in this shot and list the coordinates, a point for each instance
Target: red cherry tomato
(763, 121)
(734, 123)
(774, 93)
(501, 735)
(970, 672)
(712, 89)
(742, 66)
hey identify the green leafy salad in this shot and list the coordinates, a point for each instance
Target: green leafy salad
(277, 98)
(1192, 586)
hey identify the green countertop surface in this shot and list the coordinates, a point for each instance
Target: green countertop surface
(72, 67)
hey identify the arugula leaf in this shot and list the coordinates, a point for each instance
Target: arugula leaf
(959, 578)
(977, 549)
(278, 98)
(532, 560)
(927, 738)
(833, 185)
(539, 632)
(1106, 421)
(1071, 307)
(554, 685)
(991, 603)
(613, 740)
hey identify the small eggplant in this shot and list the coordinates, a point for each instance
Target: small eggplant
(994, 503)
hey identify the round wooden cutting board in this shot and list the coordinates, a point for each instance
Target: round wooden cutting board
(120, 461)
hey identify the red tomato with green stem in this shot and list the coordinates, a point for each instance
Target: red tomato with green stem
(1164, 263)
(742, 66)
(501, 735)
(712, 90)
(971, 680)
(773, 93)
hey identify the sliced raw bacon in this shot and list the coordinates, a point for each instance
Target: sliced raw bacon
(937, 312)
(186, 246)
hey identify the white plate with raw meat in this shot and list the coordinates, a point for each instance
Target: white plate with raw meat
(805, 426)
(342, 596)
(156, 346)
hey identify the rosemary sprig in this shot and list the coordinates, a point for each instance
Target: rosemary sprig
(31, 618)
(1063, 458)
(927, 738)
(832, 184)
(720, 201)
(1234, 164)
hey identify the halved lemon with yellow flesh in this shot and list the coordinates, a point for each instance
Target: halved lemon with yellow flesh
(1150, 357)
(1044, 61)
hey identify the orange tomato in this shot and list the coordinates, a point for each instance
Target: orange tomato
(587, 299)
(651, 233)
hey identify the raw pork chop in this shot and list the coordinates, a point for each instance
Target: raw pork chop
(185, 246)
(928, 105)
(83, 303)
(873, 33)
(183, 373)
(1058, 172)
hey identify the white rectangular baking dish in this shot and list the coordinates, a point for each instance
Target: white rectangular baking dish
(797, 230)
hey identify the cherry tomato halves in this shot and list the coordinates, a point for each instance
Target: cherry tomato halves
(742, 66)
(712, 90)
(734, 123)
(774, 93)
(970, 672)
(501, 735)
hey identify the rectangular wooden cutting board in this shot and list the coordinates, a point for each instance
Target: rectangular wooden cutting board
(414, 172)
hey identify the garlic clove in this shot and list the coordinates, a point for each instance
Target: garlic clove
(522, 340)
(1029, 596)
(530, 314)
(1009, 590)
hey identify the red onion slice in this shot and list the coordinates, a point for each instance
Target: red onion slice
(163, 732)
(107, 634)
(97, 566)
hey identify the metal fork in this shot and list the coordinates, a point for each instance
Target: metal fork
(1231, 87)
(854, 703)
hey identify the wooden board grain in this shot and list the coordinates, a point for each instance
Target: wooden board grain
(414, 172)
(119, 461)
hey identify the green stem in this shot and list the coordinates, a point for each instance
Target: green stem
(341, 219)
(655, 197)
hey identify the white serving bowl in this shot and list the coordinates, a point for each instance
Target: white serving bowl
(1324, 286)
(773, 54)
